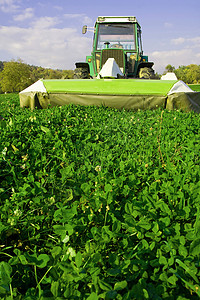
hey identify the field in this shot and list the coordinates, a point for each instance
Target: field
(98, 203)
(195, 87)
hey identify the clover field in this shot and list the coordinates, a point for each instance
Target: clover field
(98, 203)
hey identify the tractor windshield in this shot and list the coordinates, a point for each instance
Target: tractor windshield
(116, 35)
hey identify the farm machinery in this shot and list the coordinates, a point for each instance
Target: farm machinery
(119, 39)
(117, 74)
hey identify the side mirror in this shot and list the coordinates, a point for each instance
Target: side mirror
(84, 29)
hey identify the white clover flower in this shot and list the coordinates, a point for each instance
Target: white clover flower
(98, 168)
(4, 151)
(11, 221)
(17, 212)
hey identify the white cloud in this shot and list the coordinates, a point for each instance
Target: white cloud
(188, 42)
(175, 58)
(28, 13)
(185, 51)
(195, 39)
(45, 45)
(178, 41)
(9, 6)
(45, 22)
(194, 42)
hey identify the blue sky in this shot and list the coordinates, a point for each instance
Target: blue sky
(47, 33)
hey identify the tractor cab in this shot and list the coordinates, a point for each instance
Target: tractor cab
(118, 38)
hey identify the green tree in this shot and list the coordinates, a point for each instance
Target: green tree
(193, 73)
(1, 66)
(40, 72)
(181, 73)
(67, 74)
(169, 68)
(15, 76)
(189, 74)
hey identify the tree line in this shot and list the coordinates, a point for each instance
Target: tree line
(17, 75)
(189, 74)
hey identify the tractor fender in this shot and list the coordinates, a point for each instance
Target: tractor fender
(82, 65)
(145, 64)
(82, 71)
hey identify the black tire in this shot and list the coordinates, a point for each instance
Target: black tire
(146, 73)
(81, 73)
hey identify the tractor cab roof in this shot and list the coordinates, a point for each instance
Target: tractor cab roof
(112, 19)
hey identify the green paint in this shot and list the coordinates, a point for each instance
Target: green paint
(110, 86)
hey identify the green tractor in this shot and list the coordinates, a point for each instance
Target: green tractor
(118, 38)
(117, 53)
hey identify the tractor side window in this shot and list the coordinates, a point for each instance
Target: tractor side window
(116, 35)
(139, 40)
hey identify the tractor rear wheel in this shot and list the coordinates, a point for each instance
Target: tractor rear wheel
(81, 73)
(146, 73)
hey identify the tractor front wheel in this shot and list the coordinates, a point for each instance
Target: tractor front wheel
(81, 73)
(146, 73)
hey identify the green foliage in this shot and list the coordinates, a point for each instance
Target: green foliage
(1, 66)
(16, 75)
(39, 72)
(169, 68)
(98, 203)
(189, 74)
